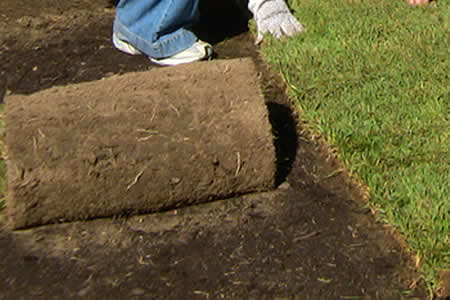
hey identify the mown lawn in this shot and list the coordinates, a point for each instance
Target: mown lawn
(372, 77)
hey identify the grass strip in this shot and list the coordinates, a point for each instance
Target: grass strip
(372, 77)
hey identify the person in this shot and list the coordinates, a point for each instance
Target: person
(161, 29)
(418, 2)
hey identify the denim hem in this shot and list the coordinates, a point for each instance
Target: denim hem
(166, 46)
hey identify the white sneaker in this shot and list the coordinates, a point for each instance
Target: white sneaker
(124, 46)
(199, 51)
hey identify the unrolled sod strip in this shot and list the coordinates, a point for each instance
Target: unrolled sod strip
(137, 143)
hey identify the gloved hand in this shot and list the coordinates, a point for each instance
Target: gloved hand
(274, 17)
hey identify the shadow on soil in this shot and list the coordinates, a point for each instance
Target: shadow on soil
(284, 129)
(221, 20)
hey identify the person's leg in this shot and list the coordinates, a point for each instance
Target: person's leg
(157, 28)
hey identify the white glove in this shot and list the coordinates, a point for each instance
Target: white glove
(274, 17)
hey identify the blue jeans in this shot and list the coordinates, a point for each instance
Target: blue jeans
(158, 28)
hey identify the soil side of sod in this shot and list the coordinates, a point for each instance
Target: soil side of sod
(138, 143)
(311, 238)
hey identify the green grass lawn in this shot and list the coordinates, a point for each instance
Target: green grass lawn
(372, 77)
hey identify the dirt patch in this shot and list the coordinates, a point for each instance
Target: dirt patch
(445, 284)
(52, 43)
(281, 244)
(310, 239)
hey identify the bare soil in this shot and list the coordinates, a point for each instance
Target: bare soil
(311, 238)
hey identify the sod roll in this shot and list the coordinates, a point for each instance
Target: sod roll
(137, 143)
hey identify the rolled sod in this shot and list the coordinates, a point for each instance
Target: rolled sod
(137, 143)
